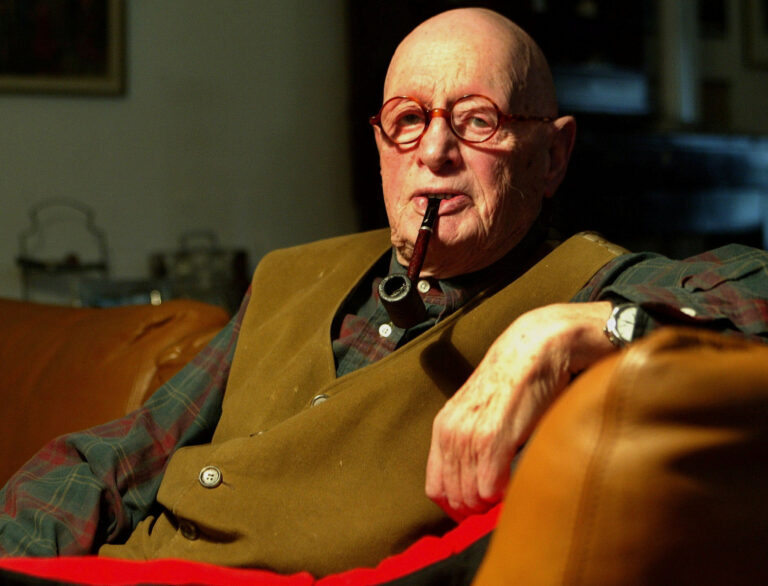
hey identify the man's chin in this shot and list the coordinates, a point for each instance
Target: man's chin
(446, 260)
(449, 253)
(460, 257)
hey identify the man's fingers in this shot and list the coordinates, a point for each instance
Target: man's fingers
(492, 478)
(436, 485)
(461, 495)
(453, 481)
(476, 434)
(443, 483)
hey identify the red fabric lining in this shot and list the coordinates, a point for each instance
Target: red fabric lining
(96, 570)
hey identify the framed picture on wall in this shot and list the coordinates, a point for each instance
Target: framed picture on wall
(756, 32)
(62, 46)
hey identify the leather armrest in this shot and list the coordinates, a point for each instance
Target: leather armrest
(650, 469)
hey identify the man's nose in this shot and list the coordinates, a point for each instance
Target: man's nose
(439, 146)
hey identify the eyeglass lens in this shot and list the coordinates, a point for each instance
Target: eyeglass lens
(473, 118)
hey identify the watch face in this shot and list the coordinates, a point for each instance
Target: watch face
(625, 323)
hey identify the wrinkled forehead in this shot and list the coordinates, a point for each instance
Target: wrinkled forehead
(439, 71)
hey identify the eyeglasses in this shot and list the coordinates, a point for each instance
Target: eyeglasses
(473, 118)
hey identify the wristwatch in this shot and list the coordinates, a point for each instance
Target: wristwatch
(625, 324)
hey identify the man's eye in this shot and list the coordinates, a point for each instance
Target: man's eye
(479, 122)
(409, 120)
(473, 119)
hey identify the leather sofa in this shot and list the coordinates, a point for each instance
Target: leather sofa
(63, 369)
(650, 469)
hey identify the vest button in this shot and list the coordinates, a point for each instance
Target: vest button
(210, 477)
(423, 286)
(317, 399)
(188, 530)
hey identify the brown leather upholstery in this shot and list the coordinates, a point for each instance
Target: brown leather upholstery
(651, 469)
(63, 369)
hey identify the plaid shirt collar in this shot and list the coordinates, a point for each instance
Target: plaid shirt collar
(362, 331)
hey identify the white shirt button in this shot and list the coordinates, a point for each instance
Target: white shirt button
(188, 530)
(210, 477)
(424, 286)
(317, 399)
(689, 311)
(385, 330)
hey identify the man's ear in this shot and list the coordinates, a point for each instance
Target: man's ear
(560, 147)
(378, 137)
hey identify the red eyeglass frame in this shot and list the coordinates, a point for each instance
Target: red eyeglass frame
(431, 113)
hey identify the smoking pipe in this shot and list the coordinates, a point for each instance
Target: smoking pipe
(397, 292)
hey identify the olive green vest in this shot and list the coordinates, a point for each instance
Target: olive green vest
(325, 485)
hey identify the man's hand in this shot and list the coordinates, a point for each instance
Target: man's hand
(479, 430)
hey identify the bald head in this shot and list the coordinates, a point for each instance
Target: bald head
(491, 191)
(460, 43)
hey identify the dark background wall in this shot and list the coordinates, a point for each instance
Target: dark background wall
(250, 120)
(667, 156)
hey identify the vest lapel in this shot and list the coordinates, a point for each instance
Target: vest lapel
(276, 371)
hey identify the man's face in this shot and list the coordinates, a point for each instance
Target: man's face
(495, 188)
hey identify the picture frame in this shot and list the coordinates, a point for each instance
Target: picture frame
(755, 30)
(63, 47)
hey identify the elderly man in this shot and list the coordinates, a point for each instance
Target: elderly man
(303, 437)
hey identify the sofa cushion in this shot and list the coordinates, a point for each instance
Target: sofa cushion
(63, 369)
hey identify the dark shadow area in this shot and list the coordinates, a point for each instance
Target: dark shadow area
(676, 192)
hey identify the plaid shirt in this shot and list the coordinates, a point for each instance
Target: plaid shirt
(365, 333)
(724, 289)
(91, 487)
